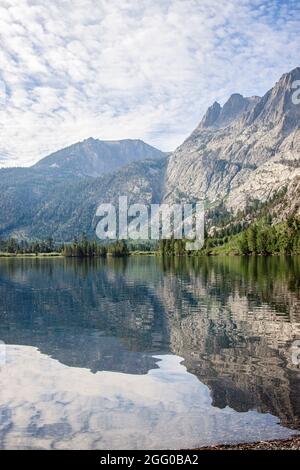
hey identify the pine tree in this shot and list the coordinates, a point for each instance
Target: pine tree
(252, 239)
(243, 244)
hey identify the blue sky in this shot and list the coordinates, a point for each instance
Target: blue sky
(114, 69)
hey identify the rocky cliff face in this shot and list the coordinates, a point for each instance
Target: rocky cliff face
(247, 149)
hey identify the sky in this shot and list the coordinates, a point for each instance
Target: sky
(147, 69)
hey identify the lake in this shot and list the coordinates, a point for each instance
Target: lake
(148, 353)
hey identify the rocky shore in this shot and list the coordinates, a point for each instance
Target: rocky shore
(287, 444)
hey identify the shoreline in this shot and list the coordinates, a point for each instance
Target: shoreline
(145, 253)
(292, 443)
(31, 255)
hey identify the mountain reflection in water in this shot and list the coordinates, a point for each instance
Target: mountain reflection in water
(172, 347)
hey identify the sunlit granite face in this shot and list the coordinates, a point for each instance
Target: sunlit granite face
(148, 353)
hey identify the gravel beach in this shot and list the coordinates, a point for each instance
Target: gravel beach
(288, 444)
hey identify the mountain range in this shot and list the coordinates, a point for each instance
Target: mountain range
(244, 151)
(93, 157)
(248, 149)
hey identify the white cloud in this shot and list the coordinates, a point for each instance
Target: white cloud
(133, 68)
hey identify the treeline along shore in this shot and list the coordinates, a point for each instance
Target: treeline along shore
(78, 248)
(261, 238)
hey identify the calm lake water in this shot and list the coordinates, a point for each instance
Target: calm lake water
(148, 353)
